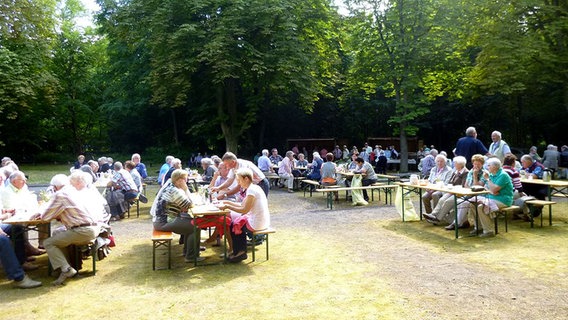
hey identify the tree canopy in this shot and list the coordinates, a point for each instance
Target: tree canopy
(182, 76)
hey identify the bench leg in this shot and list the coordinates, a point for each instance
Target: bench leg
(153, 255)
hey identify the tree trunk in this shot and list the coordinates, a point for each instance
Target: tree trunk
(227, 106)
(403, 148)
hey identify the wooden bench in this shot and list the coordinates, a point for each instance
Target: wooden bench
(311, 184)
(272, 179)
(540, 203)
(346, 189)
(505, 211)
(162, 239)
(92, 248)
(265, 232)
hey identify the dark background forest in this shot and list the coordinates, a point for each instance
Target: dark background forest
(180, 77)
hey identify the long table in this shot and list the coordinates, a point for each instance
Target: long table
(460, 193)
(208, 210)
(553, 187)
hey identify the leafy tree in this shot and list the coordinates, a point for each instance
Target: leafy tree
(26, 28)
(400, 47)
(224, 61)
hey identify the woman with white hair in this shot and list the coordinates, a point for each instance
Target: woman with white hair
(315, 173)
(501, 190)
(458, 177)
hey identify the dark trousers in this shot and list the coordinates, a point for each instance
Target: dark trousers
(364, 183)
(239, 240)
(265, 186)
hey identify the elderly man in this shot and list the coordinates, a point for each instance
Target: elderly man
(140, 167)
(285, 171)
(208, 169)
(74, 208)
(469, 145)
(165, 168)
(91, 168)
(533, 170)
(104, 165)
(17, 197)
(264, 163)
(499, 148)
(440, 173)
(550, 157)
(232, 163)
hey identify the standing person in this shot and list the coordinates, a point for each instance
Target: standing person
(563, 162)
(550, 157)
(285, 170)
(337, 153)
(233, 164)
(499, 148)
(74, 209)
(165, 168)
(469, 145)
(80, 161)
(140, 167)
(173, 202)
(382, 161)
(253, 210)
(345, 153)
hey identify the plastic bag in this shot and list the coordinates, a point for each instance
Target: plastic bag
(357, 195)
(409, 211)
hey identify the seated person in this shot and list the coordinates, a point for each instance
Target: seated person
(80, 162)
(474, 178)
(124, 191)
(300, 166)
(285, 170)
(275, 158)
(73, 207)
(368, 173)
(427, 163)
(208, 169)
(10, 261)
(440, 173)
(140, 167)
(445, 205)
(174, 165)
(264, 163)
(500, 196)
(173, 201)
(533, 170)
(328, 177)
(252, 214)
(315, 173)
(15, 196)
(353, 164)
(92, 168)
(136, 177)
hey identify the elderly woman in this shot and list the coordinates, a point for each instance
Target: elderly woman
(250, 215)
(500, 195)
(474, 178)
(316, 164)
(458, 177)
(208, 169)
(439, 173)
(172, 201)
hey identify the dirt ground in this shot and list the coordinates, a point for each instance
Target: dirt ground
(345, 263)
(444, 277)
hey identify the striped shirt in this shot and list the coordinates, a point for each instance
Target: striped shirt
(124, 180)
(70, 207)
(170, 201)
